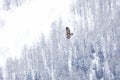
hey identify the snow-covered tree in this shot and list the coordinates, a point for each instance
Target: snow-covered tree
(1, 74)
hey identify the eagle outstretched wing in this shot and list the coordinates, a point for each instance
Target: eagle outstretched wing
(68, 33)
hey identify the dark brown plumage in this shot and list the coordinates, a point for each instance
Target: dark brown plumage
(68, 33)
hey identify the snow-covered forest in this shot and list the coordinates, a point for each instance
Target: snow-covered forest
(92, 53)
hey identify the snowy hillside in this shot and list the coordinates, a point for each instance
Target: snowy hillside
(92, 53)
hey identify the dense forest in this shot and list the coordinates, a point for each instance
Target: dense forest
(92, 53)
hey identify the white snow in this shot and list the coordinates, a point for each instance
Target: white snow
(94, 63)
(70, 61)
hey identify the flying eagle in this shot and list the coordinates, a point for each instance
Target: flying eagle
(68, 33)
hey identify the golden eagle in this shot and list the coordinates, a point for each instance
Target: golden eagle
(68, 33)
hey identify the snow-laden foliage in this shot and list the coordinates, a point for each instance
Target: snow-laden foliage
(1, 74)
(10, 4)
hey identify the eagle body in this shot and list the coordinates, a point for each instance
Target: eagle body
(68, 33)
